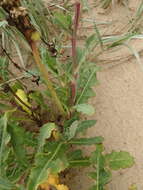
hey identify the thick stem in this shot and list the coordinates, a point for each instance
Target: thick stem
(44, 72)
(74, 52)
(74, 35)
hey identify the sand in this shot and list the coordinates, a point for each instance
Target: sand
(119, 99)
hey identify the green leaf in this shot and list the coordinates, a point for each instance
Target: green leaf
(99, 38)
(69, 122)
(45, 133)
(98, 161)
(78, 127)
(17, 85)
(2, 13)
(4, 107)
(6, 184)
(21, 187)
(91, 41)
(81, 55)
(85, 109)
(119, 160)
(59, 165)
(105, 176)
(3, 23)
(4, 96)
(82, 162)
(4, 63)
(97, 187)
(84, 125)
(87, 141)
(63, 20)
(73, 129)
(118, 40)
(76, 159)
(38, 98)
(19, 52)
(30, 139)
(49, 61)
(45, 163)
(97, 158)
(14, 173)
(4, 140)
(76, 154)
(17, 141)
(87, 79)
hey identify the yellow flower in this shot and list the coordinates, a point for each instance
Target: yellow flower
(56, 135)
(53, 179)
(62, 187)
(22, 95)
(45, 186)
(35, 36)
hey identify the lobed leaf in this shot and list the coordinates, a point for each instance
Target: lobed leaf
(119, 160)
(84, 125)
(45, 133)
(97, 157)
(104, 176)
(46, 163)
(85, 109)
(5, 184)
(17, 141)
(4, 140)
(87, 79)
(72, 130)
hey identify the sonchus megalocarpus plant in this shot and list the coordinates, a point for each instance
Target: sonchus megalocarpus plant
(35, 159)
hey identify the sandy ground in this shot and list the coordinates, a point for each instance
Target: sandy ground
(119, 108)
(119, 100)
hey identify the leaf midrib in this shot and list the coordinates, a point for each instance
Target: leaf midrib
(46, 165)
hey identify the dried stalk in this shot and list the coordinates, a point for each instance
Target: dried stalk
(18, 17)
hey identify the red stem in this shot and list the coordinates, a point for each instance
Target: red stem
(74, 35)
(74, 53)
